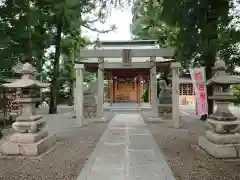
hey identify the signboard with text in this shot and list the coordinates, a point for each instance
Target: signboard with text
(127, 57)
(198, 78)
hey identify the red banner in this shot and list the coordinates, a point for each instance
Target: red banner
(198, 77)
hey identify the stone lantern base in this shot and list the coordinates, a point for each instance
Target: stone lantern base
(221, 139)
(28, 144)
(220, 150)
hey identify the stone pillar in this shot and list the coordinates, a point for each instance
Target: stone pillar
(100, 114)
(114, 87)
(142, 89)
(74, 99)
(79, 94)
(137, 90)
(111, 91)
(154, 88)
(175, 94)
(149, 90)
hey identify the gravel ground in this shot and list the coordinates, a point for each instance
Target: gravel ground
(186, 160)
(65, 161)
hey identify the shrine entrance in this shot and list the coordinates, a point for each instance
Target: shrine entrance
(130, 67)
(126, 85)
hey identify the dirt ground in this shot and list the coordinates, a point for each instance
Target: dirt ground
(74, 146)
(186, 159)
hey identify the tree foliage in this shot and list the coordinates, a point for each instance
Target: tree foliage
(199, 30)
(30, 28)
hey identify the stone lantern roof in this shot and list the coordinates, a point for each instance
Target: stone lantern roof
(27, 80)
(221, 76)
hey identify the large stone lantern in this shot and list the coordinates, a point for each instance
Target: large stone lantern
(222, 137)
(31, 137)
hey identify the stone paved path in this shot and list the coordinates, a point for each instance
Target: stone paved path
(126, 151)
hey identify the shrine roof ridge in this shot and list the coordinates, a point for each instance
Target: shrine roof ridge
(119, 60)
(128, 42)
(117, 53)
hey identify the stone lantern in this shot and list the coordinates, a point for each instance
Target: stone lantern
(31, 136)
(222, 137)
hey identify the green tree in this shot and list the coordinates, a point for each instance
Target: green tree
(68, 19)
(23, 33)
(29, 28)
(236, 93)
(199, 30)
(146, 24)
(70, 52)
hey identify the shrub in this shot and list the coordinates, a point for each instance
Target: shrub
(145, 95)
(236, 93)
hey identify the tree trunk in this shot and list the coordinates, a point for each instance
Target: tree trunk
(70, 100)
(54, 83)
(209, 73)
(28, 50)
(209, 61)
(72, 77)
(39, 65)
(211, 51)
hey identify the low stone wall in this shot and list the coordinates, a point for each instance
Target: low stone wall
(165, 111)
(89, 111)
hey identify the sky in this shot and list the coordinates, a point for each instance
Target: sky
(122, 19)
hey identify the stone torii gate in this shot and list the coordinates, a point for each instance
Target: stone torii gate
(126, 62)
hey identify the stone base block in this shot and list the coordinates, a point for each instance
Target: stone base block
(219, 150)
(26, 149)
(28, 137)
(165, 115)
(223, 127)
(30, 118)
(223, 138)
(89, 111)
(28, 126)
(99, 120)
(154, 120)
(87, 121)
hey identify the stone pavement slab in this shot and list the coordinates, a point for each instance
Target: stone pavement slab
(126, 151)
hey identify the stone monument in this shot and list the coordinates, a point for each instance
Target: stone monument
(89, 102)
(165, 101)
(31, 137)
(222, 137)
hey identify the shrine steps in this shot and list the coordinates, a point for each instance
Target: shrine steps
(127, 107)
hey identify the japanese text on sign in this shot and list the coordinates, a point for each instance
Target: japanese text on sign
(198, 77)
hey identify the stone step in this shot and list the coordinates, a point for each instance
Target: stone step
(124, 109)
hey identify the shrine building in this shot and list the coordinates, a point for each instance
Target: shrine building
(126, 80)
(128, 66)
(128, 86)
(186, 90)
